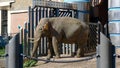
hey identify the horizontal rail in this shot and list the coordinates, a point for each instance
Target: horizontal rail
(52, 4)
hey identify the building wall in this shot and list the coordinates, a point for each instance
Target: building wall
(21, 5)
(18, 19)
(17, 15)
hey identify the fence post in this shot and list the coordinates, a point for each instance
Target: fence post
(105, 53)
(15, 60)
(20, 48)
(25, 39)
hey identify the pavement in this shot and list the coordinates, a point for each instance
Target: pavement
(2, 63)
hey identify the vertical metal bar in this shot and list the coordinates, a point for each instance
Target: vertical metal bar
(36, 17)
(20, 49)
(47, 12)
(45, 44)
(70, 49)
(76, 15)
(73, 48)
(73, 13)
(42, 44)
(56, 10)
(29, 30)
(32, 27)
(21, 36)
(40, 11)
(25, 39)
(51, 12)
(67, 49)
(63, 48)
(28, 40)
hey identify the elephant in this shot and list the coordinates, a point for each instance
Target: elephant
(61, 30)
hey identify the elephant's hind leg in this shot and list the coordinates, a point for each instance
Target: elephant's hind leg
(55, 47)
(50, 48)
(80, 51)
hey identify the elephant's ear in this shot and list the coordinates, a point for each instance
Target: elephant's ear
(46, 26)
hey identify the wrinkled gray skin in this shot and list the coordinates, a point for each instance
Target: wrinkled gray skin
(61, 29)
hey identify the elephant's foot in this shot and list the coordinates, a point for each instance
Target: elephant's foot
(78, 56)
(57, 57)
(49, 56)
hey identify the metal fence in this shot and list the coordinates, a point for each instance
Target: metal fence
(41, 11)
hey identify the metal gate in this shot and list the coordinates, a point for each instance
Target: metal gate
(42, 9)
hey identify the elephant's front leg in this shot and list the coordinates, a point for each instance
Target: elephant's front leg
(36, 44)
(55, 47)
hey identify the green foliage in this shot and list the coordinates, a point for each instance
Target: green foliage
(2, 50)
(29, 63)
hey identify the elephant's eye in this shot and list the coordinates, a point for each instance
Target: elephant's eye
(40, 28)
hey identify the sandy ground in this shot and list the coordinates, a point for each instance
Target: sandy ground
(91, 63)
(74, 63)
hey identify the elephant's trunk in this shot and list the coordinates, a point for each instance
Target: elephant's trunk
(37, 38)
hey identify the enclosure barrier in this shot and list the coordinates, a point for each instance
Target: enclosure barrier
(83, 9)
(46, 10)
(14, 51)
(105, 51)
